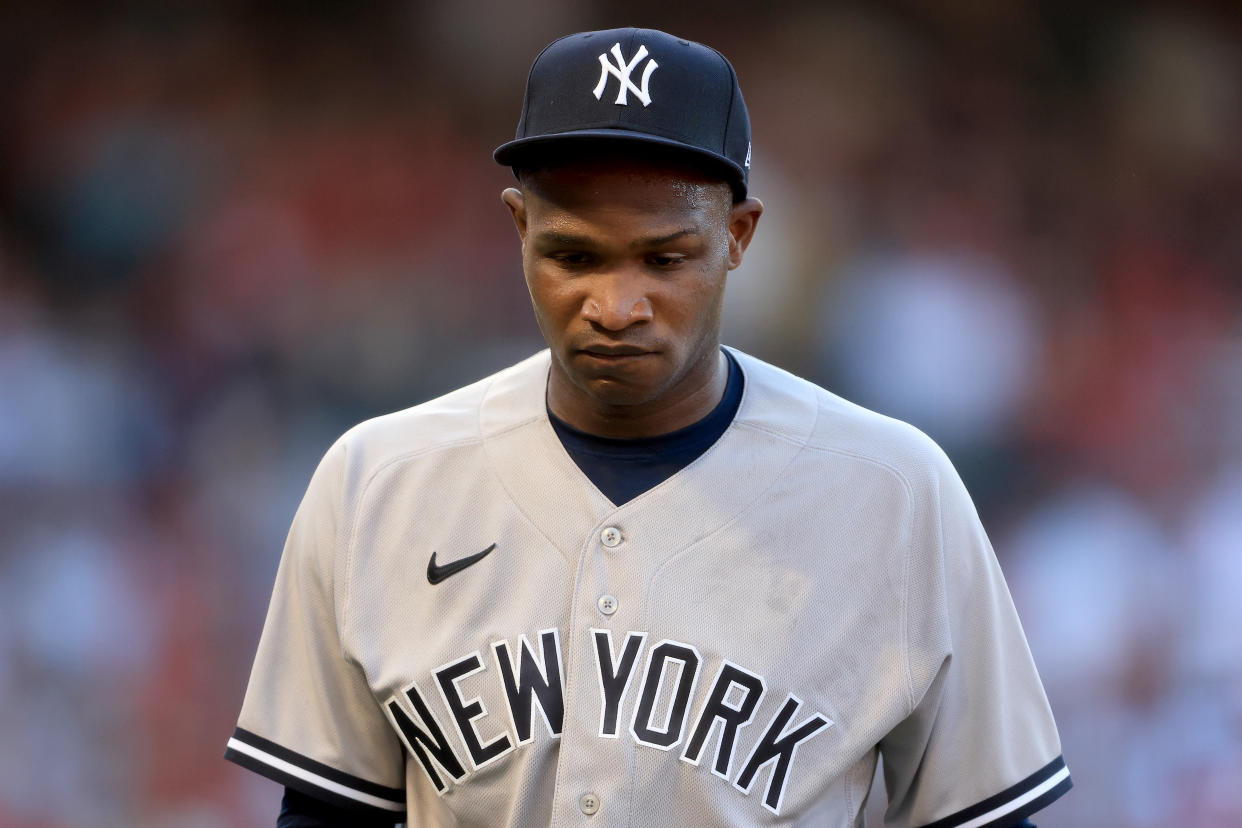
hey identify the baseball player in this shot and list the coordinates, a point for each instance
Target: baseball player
(638, 578)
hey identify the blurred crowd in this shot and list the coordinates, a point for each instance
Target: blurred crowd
(226, 236)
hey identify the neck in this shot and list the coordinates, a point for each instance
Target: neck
(649, 419)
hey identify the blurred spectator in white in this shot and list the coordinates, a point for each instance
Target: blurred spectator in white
(947, 342)
(1212, 647)
(1094, 580)
(76, 410)
(81, 627)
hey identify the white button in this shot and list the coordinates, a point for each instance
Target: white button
(607, 604)
(611, 537)
(589, 803)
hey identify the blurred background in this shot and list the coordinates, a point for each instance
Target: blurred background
(226, 235)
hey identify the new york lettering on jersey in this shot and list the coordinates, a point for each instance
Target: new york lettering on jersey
(661, 717)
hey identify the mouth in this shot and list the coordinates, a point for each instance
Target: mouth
(613, 353)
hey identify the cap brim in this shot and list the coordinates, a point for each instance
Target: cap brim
(523, 151)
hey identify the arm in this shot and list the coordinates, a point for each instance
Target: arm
(309, 720)
(297, 810)
(979, 746)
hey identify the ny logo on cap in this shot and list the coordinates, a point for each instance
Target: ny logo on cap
(622, 71)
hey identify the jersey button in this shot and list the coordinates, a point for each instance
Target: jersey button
(611, 537)
(607, 604)
(589, 803)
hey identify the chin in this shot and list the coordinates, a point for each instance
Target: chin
(613, 392)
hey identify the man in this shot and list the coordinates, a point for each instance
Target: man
(639, 578)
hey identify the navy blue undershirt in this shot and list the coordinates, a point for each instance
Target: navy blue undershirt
(625, 468)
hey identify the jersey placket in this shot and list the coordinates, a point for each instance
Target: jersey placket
(594, 775)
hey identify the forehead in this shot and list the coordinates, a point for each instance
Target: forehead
(587, 185)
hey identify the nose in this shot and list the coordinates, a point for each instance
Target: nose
(616, 301)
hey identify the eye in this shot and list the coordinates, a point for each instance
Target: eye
(571, 258)
(666, 260)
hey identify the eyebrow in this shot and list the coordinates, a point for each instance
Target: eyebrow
(659, 240)
(562, 239)
(569, 240)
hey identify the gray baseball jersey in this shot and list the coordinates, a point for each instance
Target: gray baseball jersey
(464, 631)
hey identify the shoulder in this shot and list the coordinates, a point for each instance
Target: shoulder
(830, 425)
(459, 419)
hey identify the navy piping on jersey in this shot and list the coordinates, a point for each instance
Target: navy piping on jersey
(625, 468)
(293, 770)
(1015, 802)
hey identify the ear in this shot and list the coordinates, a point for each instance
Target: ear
(743, 219)
(513, 199)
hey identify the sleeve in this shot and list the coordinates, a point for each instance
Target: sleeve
(979, 747)
(309, 720)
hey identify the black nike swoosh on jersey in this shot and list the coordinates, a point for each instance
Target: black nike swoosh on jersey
(436, 574)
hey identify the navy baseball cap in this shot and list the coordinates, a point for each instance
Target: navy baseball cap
(639, 85)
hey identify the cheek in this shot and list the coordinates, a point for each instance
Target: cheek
(703, 298)
(692, 312)
(551, 300)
